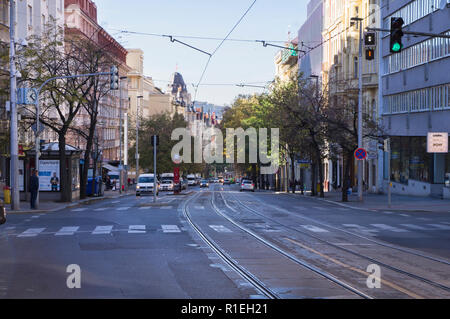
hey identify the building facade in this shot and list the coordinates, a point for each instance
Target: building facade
(416, 97)
(81, 19)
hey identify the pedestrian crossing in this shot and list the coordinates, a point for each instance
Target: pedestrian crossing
(92, 230)
(121, 209)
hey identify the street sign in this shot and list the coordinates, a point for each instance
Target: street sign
(41, 129)
(437, 143)
(360, 154)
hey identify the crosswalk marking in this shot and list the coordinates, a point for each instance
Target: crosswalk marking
(416, 227)
(79, 210)
(170, 229)
(123, 208)
(142, 208)
(315, 229)
(136, 229)
(390, 228)
(102, 230)
(220, 229)
(32, 232)
(67, 231)
(361, 228)
(115, 202)
(443, 227)
(100, 209)
(404, 215)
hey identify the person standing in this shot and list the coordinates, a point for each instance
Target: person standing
(54, 181)
(34, 188)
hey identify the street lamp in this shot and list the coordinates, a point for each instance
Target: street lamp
(137, 136)
(120, 133)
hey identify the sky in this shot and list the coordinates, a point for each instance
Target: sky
(234, 62)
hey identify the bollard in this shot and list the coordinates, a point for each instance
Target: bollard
(7, 194)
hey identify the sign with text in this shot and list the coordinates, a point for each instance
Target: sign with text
(437, 143)
(48, 169)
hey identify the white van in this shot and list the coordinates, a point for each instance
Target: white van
(191, 180)
(145, 185)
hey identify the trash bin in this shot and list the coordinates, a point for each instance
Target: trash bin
(7, 194)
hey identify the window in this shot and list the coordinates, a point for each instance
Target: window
(355, 67)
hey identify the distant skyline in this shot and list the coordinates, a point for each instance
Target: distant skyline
(235, 62)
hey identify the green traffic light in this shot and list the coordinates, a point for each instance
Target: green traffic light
(396, 47)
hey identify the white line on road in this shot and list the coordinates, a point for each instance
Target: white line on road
(100, 209)
(390, 228)
(319, 208)
(199, 207)
(32, 232)
(170, 229)
(404, 215)
(136, 229)
(388, 213)
(416, 227)
(67, 231)
(443, 227)
(123, 208)
(315, 229)
(142, 208)
(220, 229)
(115, 202)
(102, 230)
(166, 207)
(79, 210)
(361, 228)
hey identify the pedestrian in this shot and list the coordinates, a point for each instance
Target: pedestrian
(34, 188)
(54, 181)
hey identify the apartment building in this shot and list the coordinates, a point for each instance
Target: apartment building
(416, 97)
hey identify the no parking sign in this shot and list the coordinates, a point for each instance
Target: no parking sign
(360, 154)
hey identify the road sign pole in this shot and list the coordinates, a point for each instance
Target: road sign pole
(360, 101)
(155, 184)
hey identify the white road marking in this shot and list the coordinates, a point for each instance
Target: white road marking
(417, 227)
(220, 229)
(361, 228)
(67, 231)
(166, 207)
(342, 209)
(101, 209)
(315, 229)
(123, 208)
(79, 210)
(142, 208)
(115, 202)
(443, 227)
(170, 229)
(404, 215)
(319, 208)
(35, 216)
(102, 230)
(199, 207)
(390, 228)
(136, 229)
(32, 232)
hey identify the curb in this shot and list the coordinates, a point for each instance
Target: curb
(70, 205)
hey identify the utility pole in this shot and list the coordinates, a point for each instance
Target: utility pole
(155, 183)
(137, 137)
(360, 102)
(14, 145)
(121, 182)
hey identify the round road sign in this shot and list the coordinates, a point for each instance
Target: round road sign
(360, 154)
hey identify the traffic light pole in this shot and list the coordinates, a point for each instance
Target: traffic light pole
(425, 34)
(14, 144)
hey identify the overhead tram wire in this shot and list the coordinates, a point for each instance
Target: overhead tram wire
(218, 47)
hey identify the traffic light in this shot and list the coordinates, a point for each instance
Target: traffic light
(114, 78)
(370, 54)
(369, 39)
(396, 34)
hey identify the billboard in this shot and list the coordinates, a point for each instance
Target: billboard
(47, 168)
(437, 143)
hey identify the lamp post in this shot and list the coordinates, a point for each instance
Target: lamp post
(360, 101)
(137, 136)
(120, 134)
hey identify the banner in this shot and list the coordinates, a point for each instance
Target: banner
(48, 169)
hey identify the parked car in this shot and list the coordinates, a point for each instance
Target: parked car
(247, 185)
(204, 183)
(146, 185)
(2, 213)
(166, 185)
(184, 183)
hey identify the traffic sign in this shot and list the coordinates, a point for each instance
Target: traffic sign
(360, 154)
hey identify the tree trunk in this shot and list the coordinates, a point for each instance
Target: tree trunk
(66, 186)
(321, 177)
(294, 182)
(346, 176)
(313, 179)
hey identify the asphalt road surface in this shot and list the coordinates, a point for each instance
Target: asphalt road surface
(221, 243)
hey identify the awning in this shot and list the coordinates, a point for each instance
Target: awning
(110, 167)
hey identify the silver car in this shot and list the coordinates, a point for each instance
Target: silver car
(247, 185)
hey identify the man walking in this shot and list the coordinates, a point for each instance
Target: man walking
(34, 188)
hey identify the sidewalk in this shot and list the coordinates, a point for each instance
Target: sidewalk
(379, 202)
(46, 207)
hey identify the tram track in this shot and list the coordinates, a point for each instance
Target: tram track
(349, 251)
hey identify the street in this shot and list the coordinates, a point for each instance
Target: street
(221, 243)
